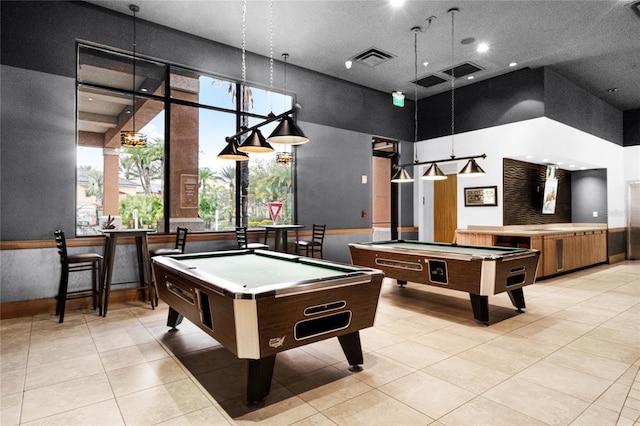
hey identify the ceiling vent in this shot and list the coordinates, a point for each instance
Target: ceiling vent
(429, 81)
(373, 57)
(463, 69)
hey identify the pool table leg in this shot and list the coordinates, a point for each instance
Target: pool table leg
(174, 318)
(480, 305)
(259, 380)
(517, 298)
(352, 350)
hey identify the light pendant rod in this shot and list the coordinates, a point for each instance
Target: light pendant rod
(267, 121)
(453, 12)
(444, 160)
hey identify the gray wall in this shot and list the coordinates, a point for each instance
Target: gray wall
(588, 195)
(570, 104)
(38, 114)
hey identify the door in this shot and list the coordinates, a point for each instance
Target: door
(381, 198)
(634, 221)
(445, 209)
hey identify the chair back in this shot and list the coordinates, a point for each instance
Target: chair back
(61, 244)
(241, 236)
(318, 233)
(181, 238)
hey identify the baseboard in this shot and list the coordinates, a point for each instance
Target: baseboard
(617, 258)
(26, 308)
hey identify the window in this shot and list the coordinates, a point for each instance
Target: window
(177, 179)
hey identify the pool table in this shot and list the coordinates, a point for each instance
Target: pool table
(258, 303)
(479, 270)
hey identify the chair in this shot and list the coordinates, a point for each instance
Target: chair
(181, 242)
(315, 244)
(178, 248)
(76, 263)
(241, 237)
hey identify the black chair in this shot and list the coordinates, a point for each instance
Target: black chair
(181, 243)
(178, 248)
(76, 263)
(241, 237)
(313, 246)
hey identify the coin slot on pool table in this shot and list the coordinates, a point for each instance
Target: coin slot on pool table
(322, 325)
(438, 271)
(180, 292)
(312, 310)
(516, 279)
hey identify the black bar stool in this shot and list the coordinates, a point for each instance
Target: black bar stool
(76, 263)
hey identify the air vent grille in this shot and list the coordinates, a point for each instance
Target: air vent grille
(462, 70)
(429, 81)
(373, 57)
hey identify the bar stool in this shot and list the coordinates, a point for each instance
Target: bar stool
(241, 237)
(178, 248)
(76, 263)
(181, 243)
(315, 244)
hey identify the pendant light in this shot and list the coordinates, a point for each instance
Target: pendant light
(401, 176)
(287, 132)
(230, 152)
(433, 173)
(255, 143)
(133, 139)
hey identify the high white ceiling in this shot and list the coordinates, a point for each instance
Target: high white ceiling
(594, 43)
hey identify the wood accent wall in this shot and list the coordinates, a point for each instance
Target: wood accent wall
(523, 190)
(445, 209)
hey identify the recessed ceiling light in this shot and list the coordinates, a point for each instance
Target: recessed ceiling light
(482, 47)
(348, 64)
(470, 77)
(559, 163)
(144, 89)
(425, 63)
(396, 3)
(583, 168)
(513, 64)
(612, 89)
(572, 165)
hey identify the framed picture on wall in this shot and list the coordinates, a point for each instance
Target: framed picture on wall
(482, 196)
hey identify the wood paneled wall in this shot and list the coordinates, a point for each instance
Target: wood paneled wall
(523, 189)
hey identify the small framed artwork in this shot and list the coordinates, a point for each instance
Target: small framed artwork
(482, 196)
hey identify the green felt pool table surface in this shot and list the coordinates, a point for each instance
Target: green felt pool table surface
(255, 270)
(480, 251)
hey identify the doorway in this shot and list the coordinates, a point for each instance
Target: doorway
(383, 195)
(445, 209)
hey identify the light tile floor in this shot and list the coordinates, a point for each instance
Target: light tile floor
(571, 359)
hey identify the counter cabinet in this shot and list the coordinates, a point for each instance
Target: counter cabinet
(560, 252)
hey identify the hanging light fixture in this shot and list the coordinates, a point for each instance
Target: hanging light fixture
(401, 176)
(133, 139)
(230, 152)
(433, 173)
(284, 158)
(287, 132)
(255, 143)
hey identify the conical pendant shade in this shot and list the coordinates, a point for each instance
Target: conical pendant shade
(401, 176)
(255, 143)
(471, 169)
(230, 152)
(433, 173)
(287, 133)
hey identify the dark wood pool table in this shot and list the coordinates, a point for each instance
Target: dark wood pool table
(259, 303)
(479, 270)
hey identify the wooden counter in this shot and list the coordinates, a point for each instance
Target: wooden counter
(563, 247)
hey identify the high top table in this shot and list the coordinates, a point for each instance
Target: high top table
(144, 262)
(281, 235)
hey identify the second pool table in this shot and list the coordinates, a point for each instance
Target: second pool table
(479, 270)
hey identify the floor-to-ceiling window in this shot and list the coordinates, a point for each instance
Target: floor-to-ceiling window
(177, 178)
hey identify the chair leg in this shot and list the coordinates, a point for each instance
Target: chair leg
(62, 293)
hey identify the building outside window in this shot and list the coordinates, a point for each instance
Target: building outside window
(176, 179)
